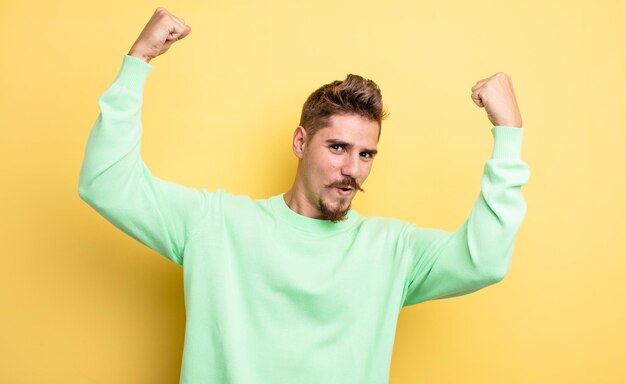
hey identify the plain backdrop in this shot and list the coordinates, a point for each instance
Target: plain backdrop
(82, 302)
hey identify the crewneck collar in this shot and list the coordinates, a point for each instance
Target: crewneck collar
(309, 224)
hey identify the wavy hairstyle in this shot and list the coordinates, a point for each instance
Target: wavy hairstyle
(354, 95)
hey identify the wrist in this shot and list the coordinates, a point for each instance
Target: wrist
(139, 55)
(510, 123)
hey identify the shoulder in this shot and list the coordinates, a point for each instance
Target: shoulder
(222, 201)
(405, 233)
(380, 224)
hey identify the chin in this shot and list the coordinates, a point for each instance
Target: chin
(338, 203)
(334, 212)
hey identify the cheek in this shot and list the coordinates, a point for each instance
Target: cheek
(327, 164)
(321, 169)
(365, 172)
(333, 163)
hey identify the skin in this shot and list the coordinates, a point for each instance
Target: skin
(496, 95)
(162, 30)
(335, 155)
(324, 165)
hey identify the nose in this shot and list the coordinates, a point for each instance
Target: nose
(350, 166)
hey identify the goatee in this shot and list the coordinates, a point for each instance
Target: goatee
(338, 214)
(333, 215)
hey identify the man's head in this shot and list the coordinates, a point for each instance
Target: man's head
(352, 96)
(336, 144)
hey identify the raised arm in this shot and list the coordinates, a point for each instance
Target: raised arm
(479, 253)
(114, 180)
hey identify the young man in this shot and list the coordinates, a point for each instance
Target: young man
(299, 288)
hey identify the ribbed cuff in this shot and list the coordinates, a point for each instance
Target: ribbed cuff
(507, 142)
(133, 73)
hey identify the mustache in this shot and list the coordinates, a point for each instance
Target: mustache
(347, 182)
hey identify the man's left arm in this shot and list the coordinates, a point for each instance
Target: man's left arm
(479, 253)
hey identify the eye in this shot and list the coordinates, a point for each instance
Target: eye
(337, 147)
(367, 155)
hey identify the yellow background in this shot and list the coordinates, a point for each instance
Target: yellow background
(84, 303)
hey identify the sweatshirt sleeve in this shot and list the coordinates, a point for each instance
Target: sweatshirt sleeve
(478, 254)
(116, 182)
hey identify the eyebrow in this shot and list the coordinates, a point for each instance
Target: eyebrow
(343, 143)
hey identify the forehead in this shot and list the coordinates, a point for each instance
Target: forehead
(353, 129)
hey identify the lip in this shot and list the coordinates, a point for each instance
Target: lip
(344, 193)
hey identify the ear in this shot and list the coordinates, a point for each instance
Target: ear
(299, 141)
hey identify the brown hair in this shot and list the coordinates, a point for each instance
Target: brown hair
(354, 95)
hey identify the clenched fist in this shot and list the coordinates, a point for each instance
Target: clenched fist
(496, 95)
(163, 30)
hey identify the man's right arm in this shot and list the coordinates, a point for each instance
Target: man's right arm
(115, 181)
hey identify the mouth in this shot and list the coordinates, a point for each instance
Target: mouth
(344, 191)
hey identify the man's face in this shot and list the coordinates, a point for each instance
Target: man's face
(336, 161)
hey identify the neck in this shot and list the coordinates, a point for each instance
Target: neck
(297, 201)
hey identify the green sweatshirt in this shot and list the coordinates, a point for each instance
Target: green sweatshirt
(272, 296)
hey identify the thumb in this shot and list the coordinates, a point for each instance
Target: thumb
(181, 35)
(185, 32)
(178, 34)
(477, 99)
